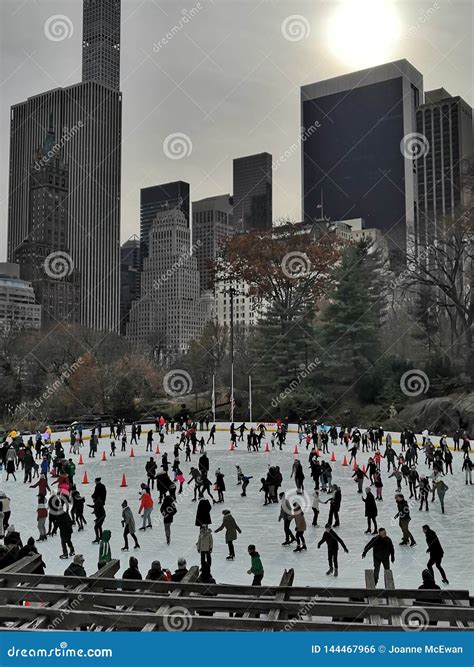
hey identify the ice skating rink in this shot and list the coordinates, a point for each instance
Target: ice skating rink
(259, 524)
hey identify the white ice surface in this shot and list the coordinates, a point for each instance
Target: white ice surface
(259, 524)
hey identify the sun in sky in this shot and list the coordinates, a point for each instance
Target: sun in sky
(363, 33)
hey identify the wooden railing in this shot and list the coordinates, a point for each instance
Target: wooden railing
(104, 603)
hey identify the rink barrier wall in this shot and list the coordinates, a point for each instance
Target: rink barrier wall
(271, 427)
(92, 602)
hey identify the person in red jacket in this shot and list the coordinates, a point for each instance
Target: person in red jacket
(146, 505)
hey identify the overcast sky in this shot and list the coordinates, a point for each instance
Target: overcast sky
(228, 79)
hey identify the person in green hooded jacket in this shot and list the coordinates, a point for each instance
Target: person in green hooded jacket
(256, 567)
(105, 554)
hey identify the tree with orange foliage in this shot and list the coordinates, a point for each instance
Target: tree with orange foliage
(288, 268)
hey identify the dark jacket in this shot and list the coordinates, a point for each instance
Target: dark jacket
(179, 574)
(434, 545)
(100, 492)
(75, 570)
(168, 509)
(382, 548)
(333, 541)
(371, 510)
(203, 513)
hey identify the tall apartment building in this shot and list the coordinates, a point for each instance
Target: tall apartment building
(18, 307)
(129, 279)
(101, 42)
(158, 198)
(354, 163)
(446, 122)
(212, 225)
(87, 118)
(252, 196)
(170, 311)
(44, 257)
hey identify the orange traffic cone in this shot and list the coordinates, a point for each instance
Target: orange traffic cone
(232, 446)
(318, 453)
(363, 468)
(267, 448)
(124, 481)
(295, 451)
(333, 458)
(81, 462)
(132, 453)
(344, 463)
(157, 451)
(104, 458)
(84, 479)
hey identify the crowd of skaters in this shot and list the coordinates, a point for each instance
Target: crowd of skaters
(46, 467)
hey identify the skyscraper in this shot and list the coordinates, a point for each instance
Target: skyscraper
(101, 42)
(129, 278)
(446, 122)
(156, 199)
(170, 311)
(87, 121)
(353, 161)
(44, 257)
(252, 184)
(212, 225)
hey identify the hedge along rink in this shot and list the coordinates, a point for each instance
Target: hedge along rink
(56, 149)
(187, 16)
(294, 384)
(295, 145)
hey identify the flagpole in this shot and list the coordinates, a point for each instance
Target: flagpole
(250, 398)
(213, 399)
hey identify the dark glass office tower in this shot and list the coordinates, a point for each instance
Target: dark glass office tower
(353, 165)
(129, 278)
(156, 199)
(101, 42)
(446, 122)
(252, 176)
